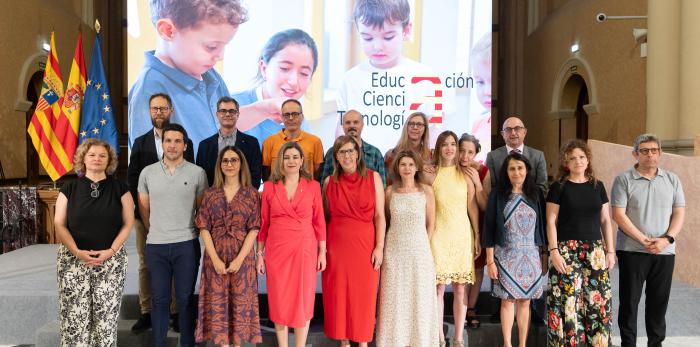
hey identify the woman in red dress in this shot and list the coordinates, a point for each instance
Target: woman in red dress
(291, 243)
(354, 200)
(229, 220)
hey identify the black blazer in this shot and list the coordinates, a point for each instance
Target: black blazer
(208, 151)
(143, 153)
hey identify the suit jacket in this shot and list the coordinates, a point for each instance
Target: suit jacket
(208, 151)
(495, 158)
(144, 153)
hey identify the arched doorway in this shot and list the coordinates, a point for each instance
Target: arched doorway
(574, 99)
(33, 91)
(574, 123)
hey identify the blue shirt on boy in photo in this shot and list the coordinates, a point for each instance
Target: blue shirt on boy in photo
(194, 101)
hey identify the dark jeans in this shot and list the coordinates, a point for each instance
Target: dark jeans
(657, 271)
(176, 263)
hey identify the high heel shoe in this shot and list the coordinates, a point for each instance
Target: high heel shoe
(456, 343)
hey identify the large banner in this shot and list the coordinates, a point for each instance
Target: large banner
(382, 58)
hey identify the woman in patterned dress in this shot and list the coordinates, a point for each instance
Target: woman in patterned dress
(407, 302)
(456, 238)
(229, 220)
(513, 235)
(582, 249)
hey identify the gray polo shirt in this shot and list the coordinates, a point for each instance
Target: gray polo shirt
(172, 199)
(648, 203)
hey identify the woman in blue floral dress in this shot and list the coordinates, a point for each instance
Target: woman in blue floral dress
(513, 235)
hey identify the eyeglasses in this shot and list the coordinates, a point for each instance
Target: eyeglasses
(94, 193)
(291, 115)
(232, 161)
(156, 109)
(415, 125)
(512, 130)
(231, 111)
(346, 152)
(646, 151)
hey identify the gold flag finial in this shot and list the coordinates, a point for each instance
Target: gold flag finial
(97, 26)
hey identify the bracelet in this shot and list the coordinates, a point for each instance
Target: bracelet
(113, 251)
(491, 263)
(260, 254)
(554, 249)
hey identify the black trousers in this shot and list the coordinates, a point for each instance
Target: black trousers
(636, 269)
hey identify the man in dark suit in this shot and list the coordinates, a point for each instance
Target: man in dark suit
(227, 111)
(148, 149)
(513, 132)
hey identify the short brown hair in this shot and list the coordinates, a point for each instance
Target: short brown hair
(79, 157)
(191, 13)
(375, 12)
(243, 173)
(277, 170)
(340, 142)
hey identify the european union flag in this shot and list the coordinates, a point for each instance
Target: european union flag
(97, 119)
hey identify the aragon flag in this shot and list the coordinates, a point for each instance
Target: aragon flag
(46, 118)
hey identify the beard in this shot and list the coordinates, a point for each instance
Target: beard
(160, 123)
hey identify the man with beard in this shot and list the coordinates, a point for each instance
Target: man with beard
(148, 149)
(352, 126)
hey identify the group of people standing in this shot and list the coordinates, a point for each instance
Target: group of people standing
(388, 233)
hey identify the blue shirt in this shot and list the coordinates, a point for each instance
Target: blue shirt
(194, 101)
(267, 127)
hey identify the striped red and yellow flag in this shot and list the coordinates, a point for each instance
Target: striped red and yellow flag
(72, 101)
(46, 118)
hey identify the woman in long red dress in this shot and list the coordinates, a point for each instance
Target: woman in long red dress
(291, 243)
(354, 198)
(229, 220)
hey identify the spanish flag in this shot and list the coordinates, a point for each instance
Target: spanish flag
(46, 118)
(72, 102)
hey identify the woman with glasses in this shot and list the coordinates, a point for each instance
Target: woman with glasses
(229, 221)
(415, 137)
(581, 251)
(354, 201)
(291, 243)
(94, 215)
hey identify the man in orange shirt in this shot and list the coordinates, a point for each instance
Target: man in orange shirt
(293, 116)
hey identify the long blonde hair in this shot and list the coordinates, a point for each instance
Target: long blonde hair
(405, 143)
(243, 170)
(277, 170)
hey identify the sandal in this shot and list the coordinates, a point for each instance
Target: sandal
(472, 321)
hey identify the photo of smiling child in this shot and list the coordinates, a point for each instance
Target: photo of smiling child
(190, 40)
(380, 88)
(481, 71)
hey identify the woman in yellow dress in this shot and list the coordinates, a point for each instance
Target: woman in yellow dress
(455, 242)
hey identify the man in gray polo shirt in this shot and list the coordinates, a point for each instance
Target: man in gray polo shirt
(169, 193)
(649, 208)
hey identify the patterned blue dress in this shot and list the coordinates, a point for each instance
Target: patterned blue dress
(518, 262)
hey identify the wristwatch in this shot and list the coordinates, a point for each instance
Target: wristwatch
(670, 238)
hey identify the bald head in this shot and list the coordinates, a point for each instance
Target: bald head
(513, 132)
(352, 124)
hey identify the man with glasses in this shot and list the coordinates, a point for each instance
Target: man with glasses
(513, 132)
(649, 207)
(352, 126)
(292, 116)
(148, 149)
(227, 112)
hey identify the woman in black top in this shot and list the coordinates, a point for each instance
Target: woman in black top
(94, 215)
(581, 248)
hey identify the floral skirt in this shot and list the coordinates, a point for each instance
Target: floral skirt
(580, 301)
